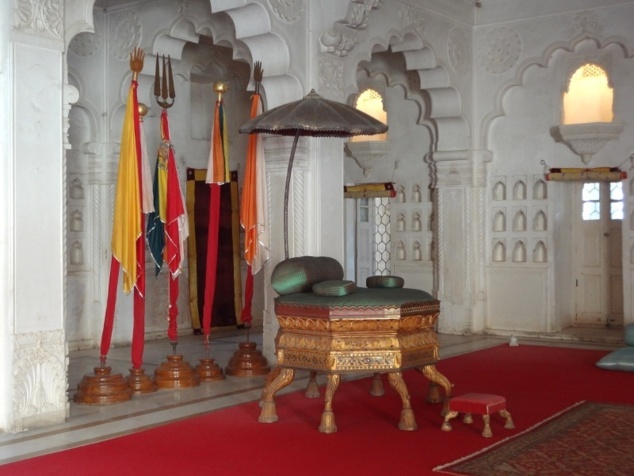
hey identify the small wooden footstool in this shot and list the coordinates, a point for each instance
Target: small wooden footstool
(481, 404)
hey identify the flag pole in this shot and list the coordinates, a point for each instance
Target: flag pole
(248, 361)
(217, 174)
(103, 387)
(167, 231)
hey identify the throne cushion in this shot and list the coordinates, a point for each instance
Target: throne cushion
(300, 274)
(334, 288)
(384, 282)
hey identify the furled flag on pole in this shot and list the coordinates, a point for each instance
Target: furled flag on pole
(155, 234)
(254, 203)
(128, 246)
(168, 227)
(217, 174)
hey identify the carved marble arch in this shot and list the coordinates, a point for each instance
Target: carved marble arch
(249, 34)
(424, 80)
(246, 30)
(78, 18)
(582, 50)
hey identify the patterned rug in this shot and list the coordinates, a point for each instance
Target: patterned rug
(586, 439)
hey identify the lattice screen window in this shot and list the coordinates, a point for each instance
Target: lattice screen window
(382, 238)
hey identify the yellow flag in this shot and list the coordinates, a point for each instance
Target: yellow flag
(127, 227)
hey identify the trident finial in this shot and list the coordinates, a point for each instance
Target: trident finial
(164, 89)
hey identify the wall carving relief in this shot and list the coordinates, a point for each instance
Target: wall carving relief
(39, 375)
(86, 44)
(412, 17)
(458, 51)
(40, 16)
(288, 10)
(341, 39)
(183, 6)
(499, 50)
(330, 77)
(585, 24)
(358, 13)
(125, 33)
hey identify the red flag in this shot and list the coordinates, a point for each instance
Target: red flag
(176, 229)
(217, 173)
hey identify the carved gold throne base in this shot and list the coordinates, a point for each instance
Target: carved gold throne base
(355, 344)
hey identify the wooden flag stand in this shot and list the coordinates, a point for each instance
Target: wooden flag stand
(247, 361)
(175, 374)
(140, 383)
(208, 370)
(102, 388)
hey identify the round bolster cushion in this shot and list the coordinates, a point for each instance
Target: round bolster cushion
(334, 288)
(384, 282)
(300, 274)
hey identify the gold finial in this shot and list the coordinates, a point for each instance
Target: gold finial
(136, 62)
(142, 110)
(220, 88)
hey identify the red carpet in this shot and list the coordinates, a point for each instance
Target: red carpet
(537, 382)
(588, 439)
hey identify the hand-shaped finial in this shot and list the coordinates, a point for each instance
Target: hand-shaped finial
(136, 62)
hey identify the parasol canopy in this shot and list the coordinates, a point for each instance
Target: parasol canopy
(311, 116)
(314, 116)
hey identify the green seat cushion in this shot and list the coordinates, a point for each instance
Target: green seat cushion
(384, 282)
(620, 359)
(300, 274)
(362, 298)
(334, 288)
(629, 334)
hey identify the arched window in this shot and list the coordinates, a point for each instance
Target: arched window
(589, 96)
(370, 101)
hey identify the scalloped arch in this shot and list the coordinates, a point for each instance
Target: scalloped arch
(246, 29)
(450, 131)
(543, 62)
(78, 18)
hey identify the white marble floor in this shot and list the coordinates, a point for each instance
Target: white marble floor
(88, 423)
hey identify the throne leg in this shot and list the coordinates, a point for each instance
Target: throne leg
(312, 389)
(268, 413)
(433, 375)
(408, 420)
(377, 386)
(328, 424)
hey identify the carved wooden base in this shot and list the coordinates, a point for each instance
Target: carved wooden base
(140, 383)
(209, 371)
(247, 361)
(175, 374)
(102, 388)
